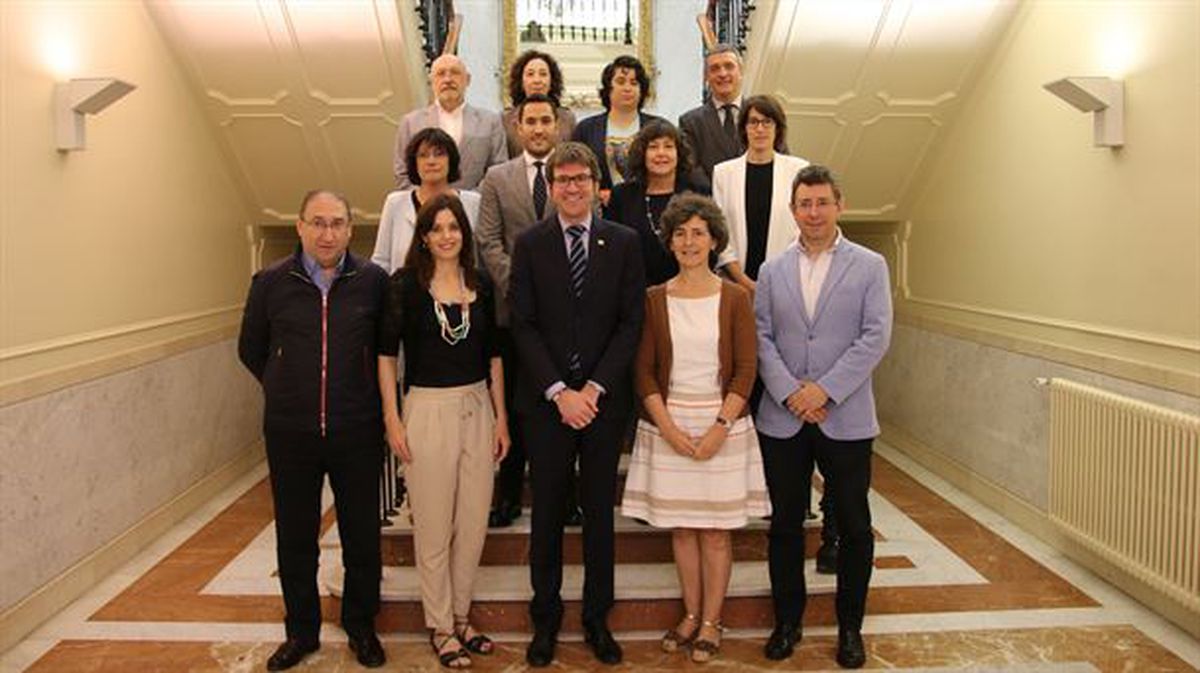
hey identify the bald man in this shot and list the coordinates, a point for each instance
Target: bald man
(479, 134)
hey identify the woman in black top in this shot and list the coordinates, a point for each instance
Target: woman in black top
(454, 425)
(660, 161)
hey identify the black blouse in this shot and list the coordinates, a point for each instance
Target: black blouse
(632, 207)
(429, 361)
(759, 184)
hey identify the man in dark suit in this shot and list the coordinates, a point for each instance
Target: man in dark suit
(576, 304)
(515, 196)
(711, 128)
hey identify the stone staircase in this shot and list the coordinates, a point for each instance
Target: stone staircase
(647, 589)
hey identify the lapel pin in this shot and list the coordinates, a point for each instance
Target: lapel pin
(600, 242)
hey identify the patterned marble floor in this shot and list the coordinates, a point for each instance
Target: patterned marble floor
(956, 587)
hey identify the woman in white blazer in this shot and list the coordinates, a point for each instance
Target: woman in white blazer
(432, 160)
(754, 191)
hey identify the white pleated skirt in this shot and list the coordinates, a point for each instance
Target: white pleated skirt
(673, 491)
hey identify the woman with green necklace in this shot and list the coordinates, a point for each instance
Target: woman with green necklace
(454, 427)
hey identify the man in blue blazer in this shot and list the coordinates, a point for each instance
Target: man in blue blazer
(824, 315)
(576, 300)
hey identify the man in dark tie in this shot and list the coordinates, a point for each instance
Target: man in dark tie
(576, 301)
(515, 195)
(711, 128)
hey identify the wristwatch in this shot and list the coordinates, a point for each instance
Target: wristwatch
(724, 422)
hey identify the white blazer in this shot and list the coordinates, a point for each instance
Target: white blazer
(398, 223)
(729, 191)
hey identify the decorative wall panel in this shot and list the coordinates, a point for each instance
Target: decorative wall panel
(302, 94)
(868, 86)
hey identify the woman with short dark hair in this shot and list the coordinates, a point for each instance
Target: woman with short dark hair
(535, 72)
(432, 159)
(660, 161)
(696, 466)
(454, 426)
(624, 88)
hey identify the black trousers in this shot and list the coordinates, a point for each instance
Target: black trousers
(553, 449)
(846, 468)
(298, 466)
(511, 477)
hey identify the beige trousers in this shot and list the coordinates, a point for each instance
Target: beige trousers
(450, 433)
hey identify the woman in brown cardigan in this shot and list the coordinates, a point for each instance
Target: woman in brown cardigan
(696, 466)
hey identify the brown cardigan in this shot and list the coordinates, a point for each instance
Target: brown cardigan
(737, 345)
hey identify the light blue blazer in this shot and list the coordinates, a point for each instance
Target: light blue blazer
(838, 348)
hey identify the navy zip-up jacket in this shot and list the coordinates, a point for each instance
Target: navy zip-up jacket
(316, 356)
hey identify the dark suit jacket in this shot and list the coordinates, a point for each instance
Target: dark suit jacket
(701, 126)
(603, 325)
(593, 131)
(627, 205)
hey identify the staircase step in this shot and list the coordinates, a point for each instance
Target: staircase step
(632, 546)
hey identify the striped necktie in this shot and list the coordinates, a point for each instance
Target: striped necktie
(577, 258)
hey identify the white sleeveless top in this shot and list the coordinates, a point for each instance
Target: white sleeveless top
(695, 331)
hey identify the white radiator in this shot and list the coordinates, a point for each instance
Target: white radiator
(1125, 484)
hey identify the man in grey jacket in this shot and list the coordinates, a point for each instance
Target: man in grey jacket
(479, 134)
(824, 315)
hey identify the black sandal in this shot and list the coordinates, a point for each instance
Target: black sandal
(477, 644)
(457, 658)
(705, 650)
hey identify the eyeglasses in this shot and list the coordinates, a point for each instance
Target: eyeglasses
(763, 122)
(337, 225)
(805, 205)
(577, 180)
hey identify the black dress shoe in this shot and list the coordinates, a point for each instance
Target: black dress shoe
(504, 514)
(292, 652)
(850, 651)
(541, 649)
(574, 516)
(827, 558)
(368, 650)
(604, 646)
(782, 642)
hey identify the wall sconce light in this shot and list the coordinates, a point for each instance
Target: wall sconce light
(1103, 97)
(78, 97)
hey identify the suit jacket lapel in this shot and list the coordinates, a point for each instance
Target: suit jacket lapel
(597, 255)
(790, 263)
(838, 266)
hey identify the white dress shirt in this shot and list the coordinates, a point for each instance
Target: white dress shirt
(813, 271)
(452, 122)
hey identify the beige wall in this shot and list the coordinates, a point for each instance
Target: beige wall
(139, 235)
(122, 272)
(1023, 227)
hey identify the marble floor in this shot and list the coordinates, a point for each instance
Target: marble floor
(955, 587)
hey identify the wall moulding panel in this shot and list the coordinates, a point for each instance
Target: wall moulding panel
(38, 369)
(1156, 360)
(294, 89)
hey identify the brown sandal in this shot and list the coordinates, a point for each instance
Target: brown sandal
(705, 650)
(672, 640)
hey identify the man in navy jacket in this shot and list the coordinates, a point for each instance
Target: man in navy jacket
(309, 336)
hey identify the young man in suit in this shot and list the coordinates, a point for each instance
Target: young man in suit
(711, 128)
(514, 197)
(576, 300)
(479, 134)
(824, 315)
